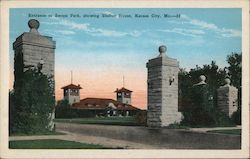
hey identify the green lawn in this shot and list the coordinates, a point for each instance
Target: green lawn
(38, 133)
(51, 144)
(228, 131)
(123, 121)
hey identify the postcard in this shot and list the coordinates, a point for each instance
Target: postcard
(125, 79)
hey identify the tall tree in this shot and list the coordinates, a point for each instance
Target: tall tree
(235, 69)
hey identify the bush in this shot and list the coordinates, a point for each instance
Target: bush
(141, 118)
(31, 103)
(236, 117)
(63, 109)
(203, 113)
(81, 113)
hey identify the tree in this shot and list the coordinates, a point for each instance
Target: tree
(63, 109)
(235, 69)
(32, 103)
(200, 102)
(214, 78)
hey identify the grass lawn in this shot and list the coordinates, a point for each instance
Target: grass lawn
(51, 144)
(123, 121)
(228, 131)
(34, 134)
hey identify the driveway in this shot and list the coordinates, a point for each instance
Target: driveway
(149, 138)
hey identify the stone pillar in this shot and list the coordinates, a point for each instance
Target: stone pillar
(163, 90)
(200, 94)
(34, 51)
(227, 98)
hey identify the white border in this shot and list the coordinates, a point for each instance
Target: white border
(4, 75)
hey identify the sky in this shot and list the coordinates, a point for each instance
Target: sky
(100, 51)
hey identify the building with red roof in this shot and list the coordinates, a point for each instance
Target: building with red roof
(71, 93)
(101, 106)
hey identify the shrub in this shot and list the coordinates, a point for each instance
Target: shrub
(141, 118)
(63, 109)
(236, 117)
(81, 113)
(32, 103)
(203, 113)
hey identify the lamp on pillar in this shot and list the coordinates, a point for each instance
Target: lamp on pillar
(40, 65)
(171, 79)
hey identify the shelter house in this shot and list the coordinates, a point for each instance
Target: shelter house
(101, 106)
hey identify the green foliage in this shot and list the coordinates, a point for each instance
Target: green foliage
(202, 111)
(235, 69)
(38, 133)
(214, 78)
(82, 113)
(236, 117)
(51, 144)
(32, 103)
(235, 74)
(63, 109)
(113, 120)
(199, 105)
(141, 117)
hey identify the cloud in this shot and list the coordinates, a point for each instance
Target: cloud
(185, 32)
(230, 33)
(212, 27)
(105, 32)
(65, 32)
(74, 25)
(87, 28)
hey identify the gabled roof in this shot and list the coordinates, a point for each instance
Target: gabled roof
(102, 103)
(72, 86)
(123, 90)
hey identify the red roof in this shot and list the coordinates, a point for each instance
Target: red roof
(72, 86)
(102, 103)
(123, 90)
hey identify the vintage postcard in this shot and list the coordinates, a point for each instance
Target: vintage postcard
(125, 79)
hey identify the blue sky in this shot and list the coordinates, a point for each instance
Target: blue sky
(122, 46)
(197, 37)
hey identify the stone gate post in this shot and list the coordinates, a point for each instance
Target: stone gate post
(163, 90)
(227, 98)
(33, 50)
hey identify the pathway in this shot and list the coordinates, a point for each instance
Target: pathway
(216, 128)
(157, 138)
(132, 137)
(104, 141)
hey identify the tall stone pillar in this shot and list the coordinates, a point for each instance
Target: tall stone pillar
(34, 51)
(227, 98)
(163, 90)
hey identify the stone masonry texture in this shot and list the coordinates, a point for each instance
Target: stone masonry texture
(35, 47)
(227, 99)
(30, 49)
(162, 92)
